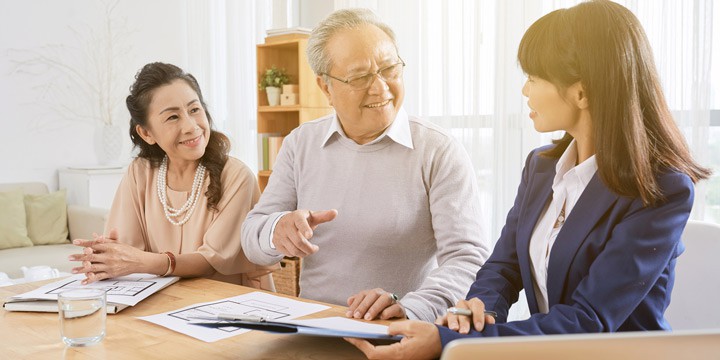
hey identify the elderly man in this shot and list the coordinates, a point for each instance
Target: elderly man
(404, 212)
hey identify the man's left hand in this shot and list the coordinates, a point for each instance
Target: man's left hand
(374, 303)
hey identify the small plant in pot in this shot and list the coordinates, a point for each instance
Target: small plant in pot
(271, 81)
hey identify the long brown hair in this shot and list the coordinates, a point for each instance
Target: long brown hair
(602, 45)
(149, 78)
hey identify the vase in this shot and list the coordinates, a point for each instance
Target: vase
(108, 144)
(273, 95)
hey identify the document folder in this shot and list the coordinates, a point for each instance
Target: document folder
(297, 327)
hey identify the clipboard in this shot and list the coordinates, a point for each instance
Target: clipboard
(296, 327)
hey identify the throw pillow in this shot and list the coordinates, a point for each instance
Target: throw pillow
(47, 218)
(13, 230)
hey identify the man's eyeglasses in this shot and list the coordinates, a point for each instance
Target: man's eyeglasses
(362, 82)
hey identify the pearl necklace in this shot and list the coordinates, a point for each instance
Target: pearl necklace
(189, 206)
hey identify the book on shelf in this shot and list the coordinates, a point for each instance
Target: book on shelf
(122, 292)
(268, 148)
(274, 143)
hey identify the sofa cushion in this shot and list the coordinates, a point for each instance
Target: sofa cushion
(25, 187)
(54, 256)
(46, 218)
(13, 229)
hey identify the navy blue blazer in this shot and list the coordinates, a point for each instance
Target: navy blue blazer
(611, 267)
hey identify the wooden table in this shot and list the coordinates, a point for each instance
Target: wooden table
(25, 335)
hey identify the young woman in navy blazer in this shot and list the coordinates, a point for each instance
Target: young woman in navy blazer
(594, 232)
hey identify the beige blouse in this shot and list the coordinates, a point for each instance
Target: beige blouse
(138, 215)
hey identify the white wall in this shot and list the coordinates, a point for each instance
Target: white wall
(37, 137)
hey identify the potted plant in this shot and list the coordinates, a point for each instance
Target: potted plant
(271, 81)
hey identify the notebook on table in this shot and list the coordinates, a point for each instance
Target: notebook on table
(121, 292)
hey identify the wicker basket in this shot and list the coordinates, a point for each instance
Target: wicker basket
(287, 279)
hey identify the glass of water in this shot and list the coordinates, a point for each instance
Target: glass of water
(82, 316)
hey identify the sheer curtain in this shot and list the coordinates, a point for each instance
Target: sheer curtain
(462, 73)
(222, 35)
(682, 36)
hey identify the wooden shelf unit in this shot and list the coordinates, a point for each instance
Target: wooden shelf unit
(288, 52)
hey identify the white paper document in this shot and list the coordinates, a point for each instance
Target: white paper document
(341, 324)
(259, 304)
(126, 290)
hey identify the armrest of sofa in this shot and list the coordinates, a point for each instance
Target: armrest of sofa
(83, 221)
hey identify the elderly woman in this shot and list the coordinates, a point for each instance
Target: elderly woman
(176, 209)
(382, 206)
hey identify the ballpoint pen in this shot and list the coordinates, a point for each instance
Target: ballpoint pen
(228, 317)
(468, 312)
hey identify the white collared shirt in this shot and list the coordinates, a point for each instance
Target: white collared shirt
(398, 131)
(569, 183)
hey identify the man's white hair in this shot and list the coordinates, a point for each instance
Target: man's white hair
(335, 22)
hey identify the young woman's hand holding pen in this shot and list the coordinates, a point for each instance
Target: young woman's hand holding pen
(458, 318)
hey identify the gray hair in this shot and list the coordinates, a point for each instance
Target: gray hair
(335, 22)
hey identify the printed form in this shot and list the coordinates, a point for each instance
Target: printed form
(269, 307)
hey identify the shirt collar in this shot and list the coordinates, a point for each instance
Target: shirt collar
(584, 171)
(398, 131)
(332, 129)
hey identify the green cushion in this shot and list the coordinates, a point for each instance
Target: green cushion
(47, 218)
(13, 231)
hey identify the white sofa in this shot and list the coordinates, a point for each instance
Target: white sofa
(82, 222)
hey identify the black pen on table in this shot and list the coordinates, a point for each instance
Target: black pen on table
(468, 312)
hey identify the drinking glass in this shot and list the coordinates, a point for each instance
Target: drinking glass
(82, 316)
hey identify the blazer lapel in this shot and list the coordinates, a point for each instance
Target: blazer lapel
(539, 192)
(595, 200)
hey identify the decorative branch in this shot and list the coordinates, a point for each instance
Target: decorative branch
(73, 77)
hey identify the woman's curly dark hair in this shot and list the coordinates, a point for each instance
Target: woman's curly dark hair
(151, 77)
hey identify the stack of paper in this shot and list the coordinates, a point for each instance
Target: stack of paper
(292, 30)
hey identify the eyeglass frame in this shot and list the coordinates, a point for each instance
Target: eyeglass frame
(377, 73)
